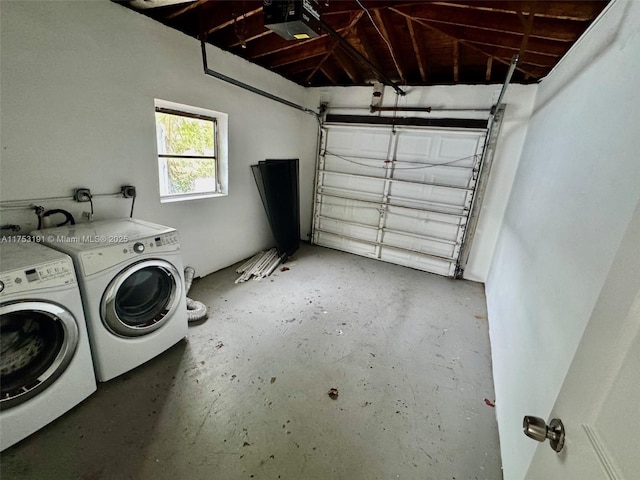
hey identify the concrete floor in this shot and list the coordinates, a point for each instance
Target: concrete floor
(246, 395)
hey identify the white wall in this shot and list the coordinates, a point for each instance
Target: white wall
(572, 199)
(519, 100)
(77, 109)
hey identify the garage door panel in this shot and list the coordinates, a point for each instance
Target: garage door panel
(429, 193)
(420, 262)
(456, 147)
(354, 183)
(422, 223)
(350, 230)
(400, 195)
(459, 148)
(355, 165)
(347, 210)
(456, 177)
(351, 194)
(345, 244)
(359, 142)
(418, 244)
(414, 146)
(422, 205)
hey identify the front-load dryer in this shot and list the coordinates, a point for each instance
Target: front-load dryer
(132, 283)
(45, 358)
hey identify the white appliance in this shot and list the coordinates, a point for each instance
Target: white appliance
(131, 279)
(45, 361)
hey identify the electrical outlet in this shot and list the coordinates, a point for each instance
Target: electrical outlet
(82, 195)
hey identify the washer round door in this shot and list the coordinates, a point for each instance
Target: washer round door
(38, 340)
(141, 298)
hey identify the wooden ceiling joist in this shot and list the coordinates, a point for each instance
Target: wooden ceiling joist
(534, 75)
(527, 24)
(580, 10)
(347, 65)
(536, 45)
(185, 9)
(546, 28)
(487, 74)
(226, 15)
(348, 30)
(380, 22)
(417, 50)
(316, 49)
(394, 41)
(456, 61)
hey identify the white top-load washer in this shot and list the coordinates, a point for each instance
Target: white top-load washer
(45, 361)
(132, 283)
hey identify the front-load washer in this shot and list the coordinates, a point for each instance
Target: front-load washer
(132, 284)
(45, 358)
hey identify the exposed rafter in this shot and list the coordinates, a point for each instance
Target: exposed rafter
(417, 49)
(409, 42)
(321, 64)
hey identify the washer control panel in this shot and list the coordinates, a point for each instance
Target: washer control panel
(99, 259)
(51, 274)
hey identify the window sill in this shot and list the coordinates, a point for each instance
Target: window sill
(190, 196)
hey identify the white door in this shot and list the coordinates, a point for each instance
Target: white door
(599, 402)
(401, 195)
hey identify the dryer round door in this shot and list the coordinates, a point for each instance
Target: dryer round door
(141, 298)
(38, 340)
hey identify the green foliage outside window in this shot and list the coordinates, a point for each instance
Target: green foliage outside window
(178, 135)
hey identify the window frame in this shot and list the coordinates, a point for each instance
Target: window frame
(220, 131)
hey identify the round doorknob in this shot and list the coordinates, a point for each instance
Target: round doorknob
(536, 428)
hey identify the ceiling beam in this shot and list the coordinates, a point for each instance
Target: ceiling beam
(565, 10)
(350, 27)
(546, 28)
(298, 69)
(380, 22)
(537, 45)
(330, 73)
(277, 44)
(531, 58)
(292, 56)
(341, 6)
(456, 61)
(227, 15)
(464, 42)
(527, 24)
(487, 75)
(359, 38)
(152, 4)
(183, 9)
(356, 55)
(417, 50)
(241, 30)
(345, 64)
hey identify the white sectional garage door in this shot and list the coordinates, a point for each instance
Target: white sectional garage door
(400, 195)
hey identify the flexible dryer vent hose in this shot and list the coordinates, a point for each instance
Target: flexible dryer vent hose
(195, 310)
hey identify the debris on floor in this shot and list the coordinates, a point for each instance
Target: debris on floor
(333, 393)
(219, 345)
(260, 266)
(489, 402)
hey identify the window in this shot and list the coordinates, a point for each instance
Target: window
(192, 152)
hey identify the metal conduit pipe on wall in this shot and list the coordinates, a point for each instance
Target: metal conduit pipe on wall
(245, 86)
